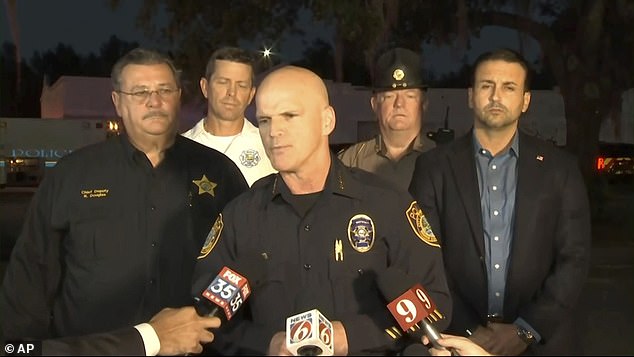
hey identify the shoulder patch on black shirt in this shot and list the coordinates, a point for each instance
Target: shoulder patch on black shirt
(212, 237)
(419, 224)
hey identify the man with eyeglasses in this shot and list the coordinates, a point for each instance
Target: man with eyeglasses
(114, 230)
(228, 87)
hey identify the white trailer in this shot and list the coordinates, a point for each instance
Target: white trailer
(28, 146)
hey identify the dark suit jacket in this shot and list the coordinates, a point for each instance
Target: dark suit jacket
(550, 250)
(123, 342)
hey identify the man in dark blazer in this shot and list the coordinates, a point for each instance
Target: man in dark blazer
(512, 215)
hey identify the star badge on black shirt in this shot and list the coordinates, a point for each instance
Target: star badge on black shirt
(204, 185)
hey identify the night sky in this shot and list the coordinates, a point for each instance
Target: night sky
(83, 24)
(87, 24)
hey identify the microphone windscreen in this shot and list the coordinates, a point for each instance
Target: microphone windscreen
(220, 293)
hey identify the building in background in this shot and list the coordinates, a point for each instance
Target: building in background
(78, 97)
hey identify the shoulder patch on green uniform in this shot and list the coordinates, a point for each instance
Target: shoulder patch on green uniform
(212, 237)
(419, 224)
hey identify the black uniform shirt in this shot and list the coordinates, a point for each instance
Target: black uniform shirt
(300, 256)
(109, 240)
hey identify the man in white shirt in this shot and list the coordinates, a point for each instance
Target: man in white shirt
(228, 87)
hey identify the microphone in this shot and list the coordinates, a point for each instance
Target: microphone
(410, 305)
(228, 291)
(309, 333)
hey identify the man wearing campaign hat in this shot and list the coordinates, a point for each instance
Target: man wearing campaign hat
(399, 101)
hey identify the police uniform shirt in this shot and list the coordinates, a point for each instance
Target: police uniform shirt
(371, 156)
(356, 228)
(109, 240)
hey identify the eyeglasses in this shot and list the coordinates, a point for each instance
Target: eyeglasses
(143, 96)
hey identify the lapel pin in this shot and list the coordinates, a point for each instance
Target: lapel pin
(338, 250)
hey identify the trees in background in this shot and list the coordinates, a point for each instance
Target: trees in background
(587, 46)
(18, 98)
(23, 100)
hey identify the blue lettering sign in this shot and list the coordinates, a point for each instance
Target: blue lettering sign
(41, 153)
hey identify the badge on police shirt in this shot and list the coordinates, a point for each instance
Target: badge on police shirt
(212, 237)
(419, 224)
(205, 186)
(361, 233)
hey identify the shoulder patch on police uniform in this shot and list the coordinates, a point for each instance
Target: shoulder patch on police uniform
(419, 224)
(361, 233)
(212, 237)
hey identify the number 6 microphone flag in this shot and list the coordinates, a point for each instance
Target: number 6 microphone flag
(309, 334)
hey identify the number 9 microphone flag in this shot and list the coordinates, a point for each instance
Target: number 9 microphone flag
(411, 307)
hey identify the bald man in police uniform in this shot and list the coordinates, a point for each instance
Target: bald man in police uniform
(399, 102)
(324, 232)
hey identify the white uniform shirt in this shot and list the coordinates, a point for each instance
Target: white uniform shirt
(245, 149)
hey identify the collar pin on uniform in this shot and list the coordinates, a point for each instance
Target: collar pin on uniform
(338, 250)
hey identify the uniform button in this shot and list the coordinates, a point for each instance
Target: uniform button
(307, 227)
(495, 213)
(307, 266)
(360, 271)
(497, 294)
(497, 266)
(153, 244)
(494, 167)
(495, 188)
(151, 282)
(496, 238)
(152, 208)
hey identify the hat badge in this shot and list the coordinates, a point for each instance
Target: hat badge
(398, 74)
